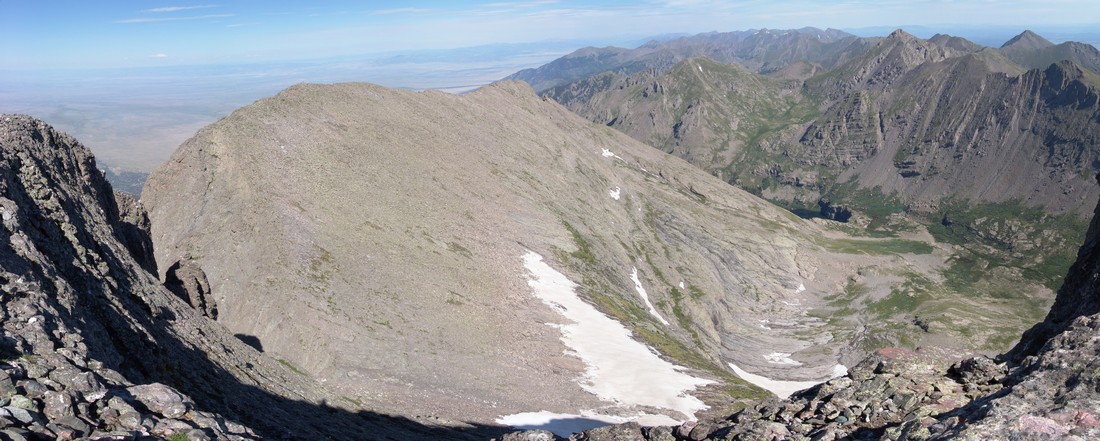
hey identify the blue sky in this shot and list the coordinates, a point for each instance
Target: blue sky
(81, 34)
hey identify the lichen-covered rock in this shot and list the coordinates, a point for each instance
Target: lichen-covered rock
(160, 399)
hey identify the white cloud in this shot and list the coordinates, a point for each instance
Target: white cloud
(530, 4)
(178, 8)
(398, 11)
(159, 56)
(157, 19)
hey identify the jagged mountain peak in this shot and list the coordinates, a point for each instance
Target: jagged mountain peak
(901, 35)
(1027, 40)
(957, 43)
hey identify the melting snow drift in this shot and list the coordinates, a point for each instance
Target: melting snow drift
(781, 358)
(784, 388)
(645, 297)
(618, 368)
(564, 424)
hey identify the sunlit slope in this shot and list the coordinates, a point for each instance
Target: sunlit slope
(374, 239)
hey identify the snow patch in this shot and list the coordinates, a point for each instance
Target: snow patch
(562, 424)
(784, 388)
(614, 192)
(617, 367)
(700, 67)
(565, 424)
(607, 153)
(801, 287)
(681, 284)
(782, 358)
(645, 296)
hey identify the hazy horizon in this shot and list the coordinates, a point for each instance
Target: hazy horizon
(133, 80)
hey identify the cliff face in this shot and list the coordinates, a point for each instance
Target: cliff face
(83, 321)
(954, 128)
(918, 119)
(1079, 296)
(93, 345)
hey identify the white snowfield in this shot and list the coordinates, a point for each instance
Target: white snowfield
(784, 388)
(564, 424)
(782, 358)
(645, 297)
(610, 154)
(618, 369)
(614, 192)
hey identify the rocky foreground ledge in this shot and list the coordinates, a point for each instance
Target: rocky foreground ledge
(899, 394)
(70, 397)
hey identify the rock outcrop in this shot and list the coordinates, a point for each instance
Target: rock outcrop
(187, 281)
(84, 324)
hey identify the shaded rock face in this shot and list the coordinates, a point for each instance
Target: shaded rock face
(133, 230)
(830, 211)
(1078, 296)
(80, 319)
(187, 281)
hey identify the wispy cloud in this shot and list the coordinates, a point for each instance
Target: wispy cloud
(398, 11)
(518, 5)
(159, 56)
(178, 8)
(158, 19)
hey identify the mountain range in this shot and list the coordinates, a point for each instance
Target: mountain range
(988, 148)
(349, 261)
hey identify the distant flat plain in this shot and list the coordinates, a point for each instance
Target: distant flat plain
(134, 118)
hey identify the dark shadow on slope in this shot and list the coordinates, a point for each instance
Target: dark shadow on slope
(1077, 296)
(565, 426)
(250, 340)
